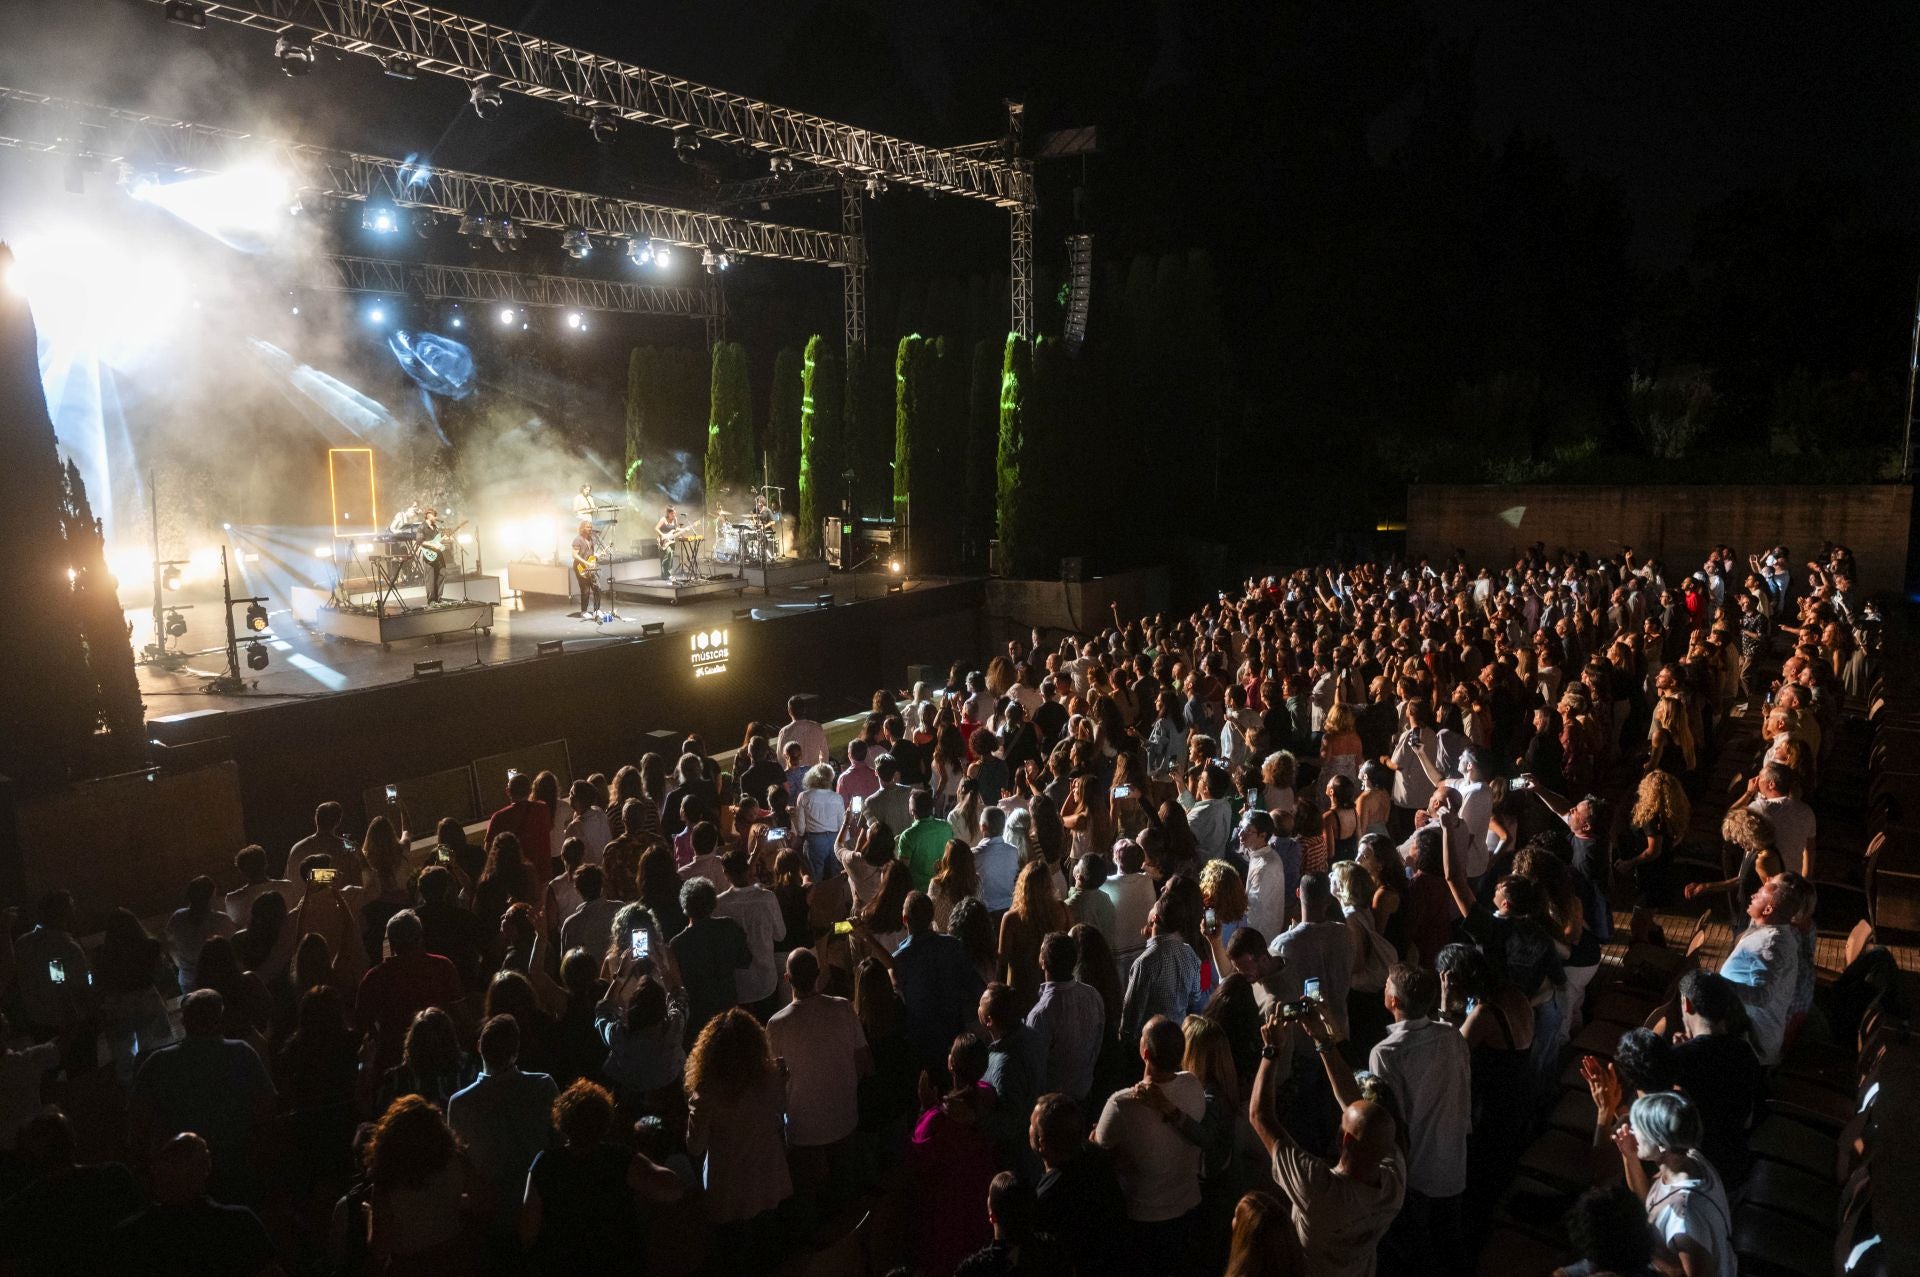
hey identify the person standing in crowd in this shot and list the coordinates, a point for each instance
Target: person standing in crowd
(1717, 1069)
(503, 1120)
(1131, 890)
(1686, 1200)
(1764, 966)
(529, 820)
(212, 1086)
(924, 841)
(818, 814)
(709, 952)
(1165, 979)
(1078, 1199)
(997, 862)
(1069, 1019)
(250, 863)
(1159, 1169)
(401, 986)
(185, 1223)
(1425, 1063)
(819, 1040)
(325, 840)
(804, 732)
(736, 1110)
(756, 911)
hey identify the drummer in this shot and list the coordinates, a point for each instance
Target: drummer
(766, 522)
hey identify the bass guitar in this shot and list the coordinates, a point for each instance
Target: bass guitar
(436, 545)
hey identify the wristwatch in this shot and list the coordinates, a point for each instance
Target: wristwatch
(1269, 1052)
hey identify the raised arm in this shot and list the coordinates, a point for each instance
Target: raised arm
(1456, 874)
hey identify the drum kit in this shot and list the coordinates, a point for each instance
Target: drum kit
(740, 540)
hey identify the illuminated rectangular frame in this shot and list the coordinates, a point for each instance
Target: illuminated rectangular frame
(333, 495)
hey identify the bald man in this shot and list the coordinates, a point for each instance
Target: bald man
(185, 1230)
(1340, 1212)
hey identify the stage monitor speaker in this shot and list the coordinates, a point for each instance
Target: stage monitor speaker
(490, 774)
(181, 729)
(350, 488)
(664, 743)
(427, 800)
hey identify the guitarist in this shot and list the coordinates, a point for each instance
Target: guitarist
(436, 562)
(586, 569)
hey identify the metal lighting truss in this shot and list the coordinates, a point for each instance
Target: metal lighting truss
(444, 43)
(475, 284)
(137, 138)
(422, 38)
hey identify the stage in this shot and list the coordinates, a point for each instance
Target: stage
(304, 662)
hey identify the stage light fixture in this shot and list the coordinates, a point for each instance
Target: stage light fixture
(486, 101)
(551, 647)
(686, 147)
(295, 55)
(428, 669)
(472, 223)
(823, 601)
(875, 186)
(176, 624)
(186, 13)
(458, 322)
(465, 538)
(377, 315)
(379, 219)
(652, 629)
(893, 566)
(323, 551)
(574, 321)
(257, 656)
(400, 67)
(896, 587)
(170, 576)
(257, 618)
(226, 527)
(662, 255)
(507, 315)
(604, 125)
(576, 243)
(780, 163)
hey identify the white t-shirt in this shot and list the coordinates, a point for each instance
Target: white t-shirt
(1476, 813)
(819, 1037)
(1696, 1209)
(1159, 1170)
(757, 910)
(1793, 827)
(1338, 1219)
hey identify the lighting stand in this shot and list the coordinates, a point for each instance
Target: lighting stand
(231, 682)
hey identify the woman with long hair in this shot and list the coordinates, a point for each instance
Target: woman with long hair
(418, 1179)
(546, 789)
(886, 1094)
(1209, 1057)
(626, 785)
(1374, 804)
(792, 887)
(1225, 897)
(644, 1026)
(972, 926)
(883, 919)
(1497, 1021)
(1661, 817)
(1340, 826)
(1037, 910)
(504, 881)
(1263, 1243)
(431, 1063)
(1670, 736)
(866, 852)
(967, 812)
(953, 881)
(660, 891)
(133, 1017)
(1277, 774)
(736, 1115)
(1341, 750)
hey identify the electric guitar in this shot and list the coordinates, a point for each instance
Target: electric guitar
(586, 569)
(436, 545)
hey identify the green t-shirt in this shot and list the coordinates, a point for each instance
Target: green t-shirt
(921, 846)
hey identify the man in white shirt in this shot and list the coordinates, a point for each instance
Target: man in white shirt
(251, 863)
(890, 802)
(1211, 818)
(1131, 891)
(1319, 947)
(757, 910)
(1414, 761)
(590, 926)
(1764, 965)
(325, 840)
(1425, 1062)
(997, 861)
(706, 862)
(820, 1041)
(811, 737)
(1268, 885)
(1159, 1167)
(1793, 820)
(1340, 1212)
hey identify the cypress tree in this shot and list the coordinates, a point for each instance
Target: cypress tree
(729, 423)
(822, 445)
(915, 519)
(1015, 369)
(642, 372)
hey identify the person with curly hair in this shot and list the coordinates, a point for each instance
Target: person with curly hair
(736, 1120)
(419, 1179)
(1661, 815)
(577, 1214)
(1037, 910)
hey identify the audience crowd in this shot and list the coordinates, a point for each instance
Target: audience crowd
(1248, 941)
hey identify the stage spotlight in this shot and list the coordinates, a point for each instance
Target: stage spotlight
(652, 629)
(295, 55)
(256, 656)
(465, 538)
(551, 647)
(170, 576)
(73, 575)
(604, 125)
(379, 219)
(428, 669)
(472, 223)
(823, 601)
(458, 322)
(575, 243)
(686, 146)
(256, 618)
(723, 260)
(893, 566)
(324, 551)
(486, 101)
(574, 321)
(187, 14)
(400, 67)
(176, 624)
(661, 255)
(875, 186)
(226, 527)
(780, 163)
(640, 252)
(507, 315)
(896, 587)
(377, 315)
